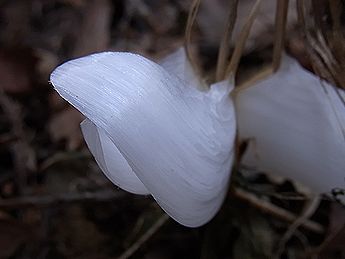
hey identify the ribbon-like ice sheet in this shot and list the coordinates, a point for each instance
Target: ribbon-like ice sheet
(295, 124)
(110, 160)
(152, 131)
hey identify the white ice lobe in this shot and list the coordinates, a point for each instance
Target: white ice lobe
(152, 131)
(296, 126)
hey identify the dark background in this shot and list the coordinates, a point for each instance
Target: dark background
(54, 200)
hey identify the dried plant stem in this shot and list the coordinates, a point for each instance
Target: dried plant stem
(318, 48)
(64, 198)
(308, 211)
(188, 33)
(281, 19)
(148, 234)
(223, 52)
(262, 74)
(60, 157)
(280, 26)
(276, 211)
(317, 64)
(300, 12)
(236, 55)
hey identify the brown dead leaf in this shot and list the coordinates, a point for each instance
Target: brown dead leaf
(297, 49)
(213, 15)
(17, 69)
(13, 234)
(65, 126)
(334, 244)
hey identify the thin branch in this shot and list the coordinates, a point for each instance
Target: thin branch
(62, 156)
(190, 22)
(223, 52)
(300, 13)
(309, 209)
(280, 26)
(304, 242)
(316, 63)
(276, 211)
(65, 198)
(261, 75)
(144, 238)
(323, 61)
(236, 55)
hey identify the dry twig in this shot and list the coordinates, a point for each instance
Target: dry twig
(148, 234)
(276, 211)
(307, 212)
(280, 24)
(237, 53)
(188, 33)
(225, 43)
(65, 198)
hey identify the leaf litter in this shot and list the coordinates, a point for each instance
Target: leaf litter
(62, 207)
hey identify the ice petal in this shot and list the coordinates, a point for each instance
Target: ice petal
(110, 160)
(178, 64)
(180, 150)
(295, 122)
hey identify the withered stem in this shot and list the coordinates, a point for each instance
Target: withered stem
(223, 52)
(236, 55)
(280, 26)
(190, 22)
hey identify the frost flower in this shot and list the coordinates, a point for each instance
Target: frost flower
(295, 124)
(152, 131)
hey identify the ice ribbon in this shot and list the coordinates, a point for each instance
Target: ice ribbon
(152, 131)
(295, 124)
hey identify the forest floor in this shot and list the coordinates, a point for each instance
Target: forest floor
(54, 200)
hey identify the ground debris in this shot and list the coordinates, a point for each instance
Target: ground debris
(54, 201)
